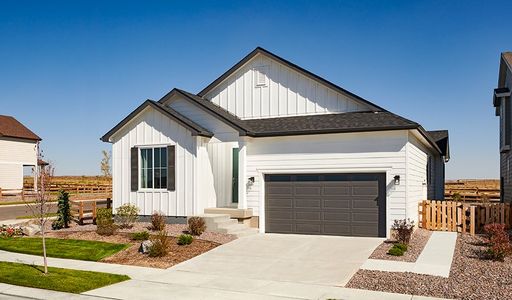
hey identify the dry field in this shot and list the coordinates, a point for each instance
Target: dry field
(473, 190)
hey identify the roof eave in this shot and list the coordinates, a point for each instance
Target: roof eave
(329, 131)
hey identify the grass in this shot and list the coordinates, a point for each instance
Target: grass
(62, 248)
(57, 279)
(48, 215)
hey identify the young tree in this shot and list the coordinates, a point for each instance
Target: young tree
(41, 207)
(105, 163)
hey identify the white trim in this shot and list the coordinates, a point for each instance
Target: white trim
(262, 172)
(139, 161)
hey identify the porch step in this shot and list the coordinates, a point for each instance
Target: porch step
(223, 223)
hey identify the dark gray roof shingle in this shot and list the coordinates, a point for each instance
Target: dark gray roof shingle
(328, 123)
(441, 139)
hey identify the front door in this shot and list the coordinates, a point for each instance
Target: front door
(234, 177)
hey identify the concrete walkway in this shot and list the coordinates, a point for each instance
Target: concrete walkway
(255, 267)
(435, 259)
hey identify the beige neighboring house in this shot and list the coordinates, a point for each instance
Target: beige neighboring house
(18, 149)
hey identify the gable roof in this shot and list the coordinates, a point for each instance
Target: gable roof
(441, 139)
(505, 63)
(293, 66)
(167, 111)
(10, 127)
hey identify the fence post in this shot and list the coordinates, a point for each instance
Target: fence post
(443, 216)
(463, 218)
(94, 212)
(426, 207)
(81, 213)
(472, 220)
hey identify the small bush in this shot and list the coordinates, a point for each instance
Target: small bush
(157, 221)
(126, 215)
(185, 239)
(498, 241)
(160, 245)
(196, 226)
(10, 231)
(401, 246)
(402, 230)
(396, 251)
(63, 211)
(140, 236)
(105, 222)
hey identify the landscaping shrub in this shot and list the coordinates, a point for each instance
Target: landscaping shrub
(498, 242)
(105, 222)
(126, 215)
(396, 251)
(63, 211)
(160, 245)
(196, 226)
(157, 221)
(185, 239)
(140, 236)
(10, 231)
(402, 230)
(401, 246)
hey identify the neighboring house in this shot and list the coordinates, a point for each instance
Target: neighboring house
(305, 155)
(18, 149)
(501, 101)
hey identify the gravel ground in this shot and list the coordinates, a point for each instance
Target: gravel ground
(418, 241)
(172, 229)
(471, 276)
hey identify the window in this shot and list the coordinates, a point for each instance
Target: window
(153, 168)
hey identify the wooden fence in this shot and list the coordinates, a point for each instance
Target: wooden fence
(462, 217)
(85, 210)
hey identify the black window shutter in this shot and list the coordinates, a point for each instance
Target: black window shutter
(171, 168)
(134, 175)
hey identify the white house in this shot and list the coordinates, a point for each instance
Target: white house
(300, 153)
(18, 149)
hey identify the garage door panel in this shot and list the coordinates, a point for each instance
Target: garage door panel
(338, 216)
(308, 190)
(338, 229)
(336, 191)
(280, 214)
(308, 216)
(308, 203)
(308, 228)
(280, 203)
(328, 204)
(337, 203)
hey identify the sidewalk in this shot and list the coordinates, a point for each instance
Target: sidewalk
(154, 284)
(435, 259)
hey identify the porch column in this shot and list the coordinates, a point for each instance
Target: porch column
(242, 174)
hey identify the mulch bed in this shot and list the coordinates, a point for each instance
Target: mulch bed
(131, 256)
(418, 241)
(471, 276)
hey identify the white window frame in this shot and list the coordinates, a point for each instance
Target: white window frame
(139, 168)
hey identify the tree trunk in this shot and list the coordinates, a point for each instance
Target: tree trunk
(45, 260)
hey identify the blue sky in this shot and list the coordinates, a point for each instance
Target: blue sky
(71, 70)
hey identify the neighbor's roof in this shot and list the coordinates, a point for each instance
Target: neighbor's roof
(10, 127)
(441, 139)
(292, 66)
(167, 111)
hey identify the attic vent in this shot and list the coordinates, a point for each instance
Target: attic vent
(261, 76)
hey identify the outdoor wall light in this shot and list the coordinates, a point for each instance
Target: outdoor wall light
(251, 179)
(397, 179)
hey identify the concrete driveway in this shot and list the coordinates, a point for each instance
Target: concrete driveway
(267, 266)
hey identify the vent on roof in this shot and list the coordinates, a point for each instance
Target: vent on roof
(260, 74)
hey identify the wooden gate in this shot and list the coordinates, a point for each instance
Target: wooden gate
(462, 217)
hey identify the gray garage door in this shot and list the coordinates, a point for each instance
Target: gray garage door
(327, 204)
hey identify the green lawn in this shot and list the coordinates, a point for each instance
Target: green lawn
(58, 279)
(61, 248)
(48, 215)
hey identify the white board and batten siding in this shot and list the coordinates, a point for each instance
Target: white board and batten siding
(283, 92)
(152, 128)
(14, 154)
(369, 152)
(219, 147)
